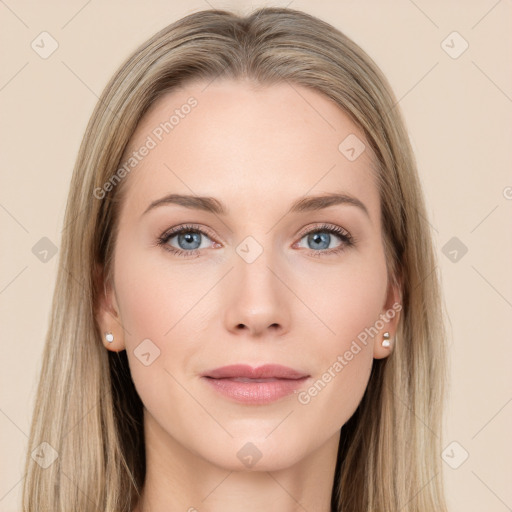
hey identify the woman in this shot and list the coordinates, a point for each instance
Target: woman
(246, 312)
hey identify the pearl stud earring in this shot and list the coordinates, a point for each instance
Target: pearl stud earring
(109, 337)
(385, 342)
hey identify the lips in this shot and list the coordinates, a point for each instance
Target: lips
(255, 386)
(267, 371)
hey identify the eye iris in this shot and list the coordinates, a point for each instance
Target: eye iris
(189, 238)
(320, 238)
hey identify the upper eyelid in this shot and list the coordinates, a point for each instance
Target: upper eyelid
(325, 226)
(185, 228)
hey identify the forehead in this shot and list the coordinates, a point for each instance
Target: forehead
(248, 145)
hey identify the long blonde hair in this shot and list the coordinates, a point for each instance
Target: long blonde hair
(87, 408)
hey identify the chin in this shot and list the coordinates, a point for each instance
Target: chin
(255, 453)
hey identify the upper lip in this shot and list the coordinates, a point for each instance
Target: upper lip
(267, 371)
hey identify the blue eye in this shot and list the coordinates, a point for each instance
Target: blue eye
(320, 238)
(191, 239)
(188, 239)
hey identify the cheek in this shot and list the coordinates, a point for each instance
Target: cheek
(153, 295)
(347, 298)
(161, 303)
(348, 305)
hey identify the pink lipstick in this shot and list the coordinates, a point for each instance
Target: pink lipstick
(255, 386)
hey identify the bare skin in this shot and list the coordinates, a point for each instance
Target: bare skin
(298, 304)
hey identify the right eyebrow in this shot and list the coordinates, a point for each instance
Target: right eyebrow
(208, 204)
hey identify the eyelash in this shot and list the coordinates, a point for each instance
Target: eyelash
(346, 238)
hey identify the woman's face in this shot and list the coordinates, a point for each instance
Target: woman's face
(254, 278)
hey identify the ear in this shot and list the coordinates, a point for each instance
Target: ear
(390, 317)
(107, 313)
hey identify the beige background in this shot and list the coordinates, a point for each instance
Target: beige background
(459, 114)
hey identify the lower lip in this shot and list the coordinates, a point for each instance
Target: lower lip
(256, 393)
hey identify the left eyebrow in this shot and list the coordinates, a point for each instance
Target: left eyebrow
(304, 204)
(314, 203)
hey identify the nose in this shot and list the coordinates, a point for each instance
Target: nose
(257, 301)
